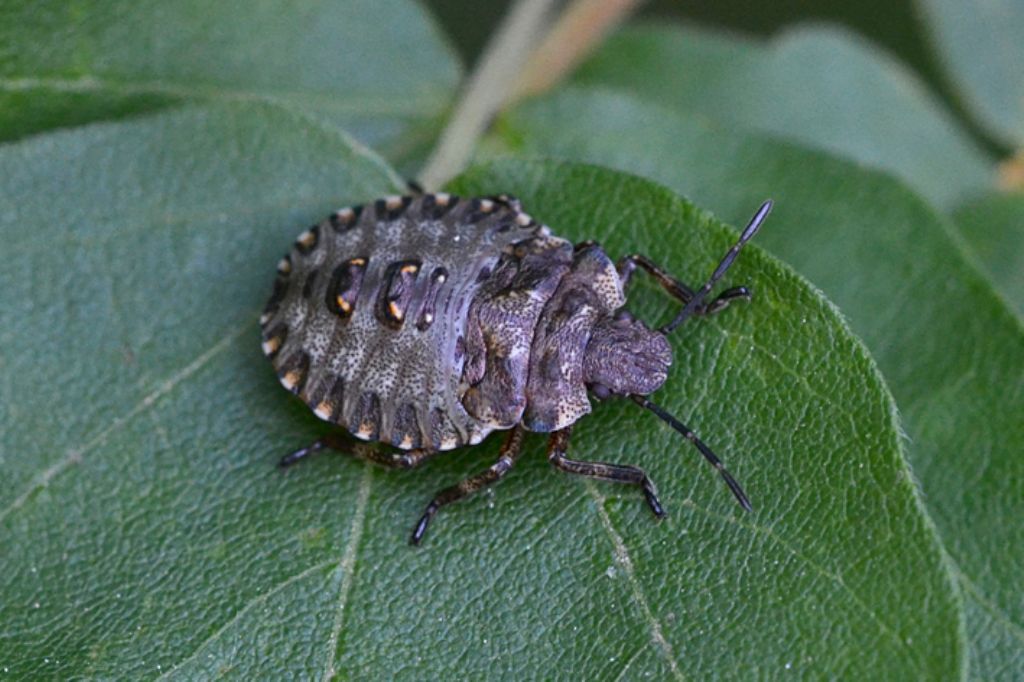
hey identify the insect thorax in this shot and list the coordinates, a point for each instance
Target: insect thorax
(538, 373)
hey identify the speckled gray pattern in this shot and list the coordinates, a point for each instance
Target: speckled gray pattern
(397, 381)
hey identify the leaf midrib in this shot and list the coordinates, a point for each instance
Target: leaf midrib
(76, 455)
(347, 565)
(624, 559)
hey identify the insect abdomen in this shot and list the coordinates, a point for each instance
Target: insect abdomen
(367, 323)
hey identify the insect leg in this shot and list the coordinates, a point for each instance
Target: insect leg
(628, 264)
(558, 444)
(402, 459)
(510, 452)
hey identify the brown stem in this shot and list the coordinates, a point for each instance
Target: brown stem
(579, 30)
(487, 90)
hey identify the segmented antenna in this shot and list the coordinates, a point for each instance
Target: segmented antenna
(682, 428)
(730, 256)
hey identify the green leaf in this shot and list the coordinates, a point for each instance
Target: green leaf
(993, 226)
(377, 68)
(147, 529)
(819, 86)
(980, 45)
(141, 510)
(950, 350)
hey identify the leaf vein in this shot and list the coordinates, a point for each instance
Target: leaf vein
(835, 578)
(622, 556)
(246, 609)
(74, 455)
(347, 565)
(993, 609)
(628, 665)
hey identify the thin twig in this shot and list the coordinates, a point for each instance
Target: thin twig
(487, 90)
(579, 30)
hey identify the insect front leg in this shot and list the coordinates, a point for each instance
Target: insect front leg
(510, 452)
(681, 292)
(558, 444)
(401, 459)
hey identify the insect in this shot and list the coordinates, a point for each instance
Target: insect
(427, 321)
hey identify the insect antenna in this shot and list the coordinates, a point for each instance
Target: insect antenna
(726, 262)
(682, 428)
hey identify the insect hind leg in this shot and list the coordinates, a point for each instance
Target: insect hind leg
(510, 452)
(401, 459)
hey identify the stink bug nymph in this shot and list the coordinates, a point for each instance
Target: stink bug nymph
(427, 321)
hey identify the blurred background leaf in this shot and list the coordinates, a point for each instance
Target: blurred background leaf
(995, 223)
(981, 46)
(949, 348)
(815, 85)
(380, 69)
(894, 25)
